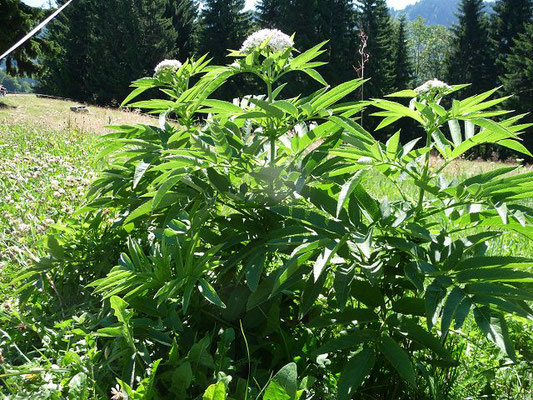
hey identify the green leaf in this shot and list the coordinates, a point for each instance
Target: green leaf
(310, 217)
(418, 334)
(209, 293)
(392, 145)
(494, 327)
(324, 258)
(356, 370)
(316, 76)
(346, 341)
(283, 385)
(254, 269)
(453, 300)
(347, 190)
(410, 306)
(165, 187)
(455, 130)
(398, 358)
(215, 392)
(312, 290)
(140, 170)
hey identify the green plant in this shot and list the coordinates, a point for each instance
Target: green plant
(255, 240)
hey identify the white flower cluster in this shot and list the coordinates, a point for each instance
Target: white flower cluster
(277, 41)
(167, 66)
(434, 84)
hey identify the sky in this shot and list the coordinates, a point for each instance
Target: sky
(397, 4)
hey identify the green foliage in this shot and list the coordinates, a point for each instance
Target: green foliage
(470, 58)
(509, 20)
(252, 240)
(402, 62)
(376, 22)
(519, 73)
(93, 61)
(16, 20)
(429, 46)
(224, 26)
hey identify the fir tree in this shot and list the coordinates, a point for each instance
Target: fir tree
(69, 63)
(518, 77)
(224, 26)
(336, 20)
(376, 23)
(508, 21)
(469, 61)
(301, 18)
(184, 16)
(16, 20)
(270, 13)
(94, 59)
(402, 63)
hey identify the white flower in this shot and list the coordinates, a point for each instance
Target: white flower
(277, 41)
(118, 394)
(167, 66)
(434, 84)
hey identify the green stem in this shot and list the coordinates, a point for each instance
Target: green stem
(425, 174)
(272, 137)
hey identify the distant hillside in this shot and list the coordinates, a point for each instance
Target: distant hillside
(435, 12)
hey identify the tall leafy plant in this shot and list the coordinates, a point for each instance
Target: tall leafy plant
(257, 238)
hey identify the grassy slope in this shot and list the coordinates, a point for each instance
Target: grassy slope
(47, 158)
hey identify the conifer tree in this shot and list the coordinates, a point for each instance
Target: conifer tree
(184, 16)
(469, 61)
(508, 21)
(402, 63)
(17, 19)
(518, 76)
(336, 21)
(94, 59)
(224, 26)
(270, 13)
(375, 20)
(69, 64)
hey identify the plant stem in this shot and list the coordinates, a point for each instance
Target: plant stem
(420, 203)
(272, 137)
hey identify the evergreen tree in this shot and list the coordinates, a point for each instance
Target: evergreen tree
(469, 61)
(402, 62)
(301, 17)
(376, 22)
(224, 26)
(508, 21)
(336, 21)
(270, 13)
(94, 59)
(518, 77)
(16, 20)
(184, 16)
(69, 64)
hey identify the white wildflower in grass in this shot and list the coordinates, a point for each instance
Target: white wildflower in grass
(432, 86)
(170, 66)
(118, 394)
(277, 41)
